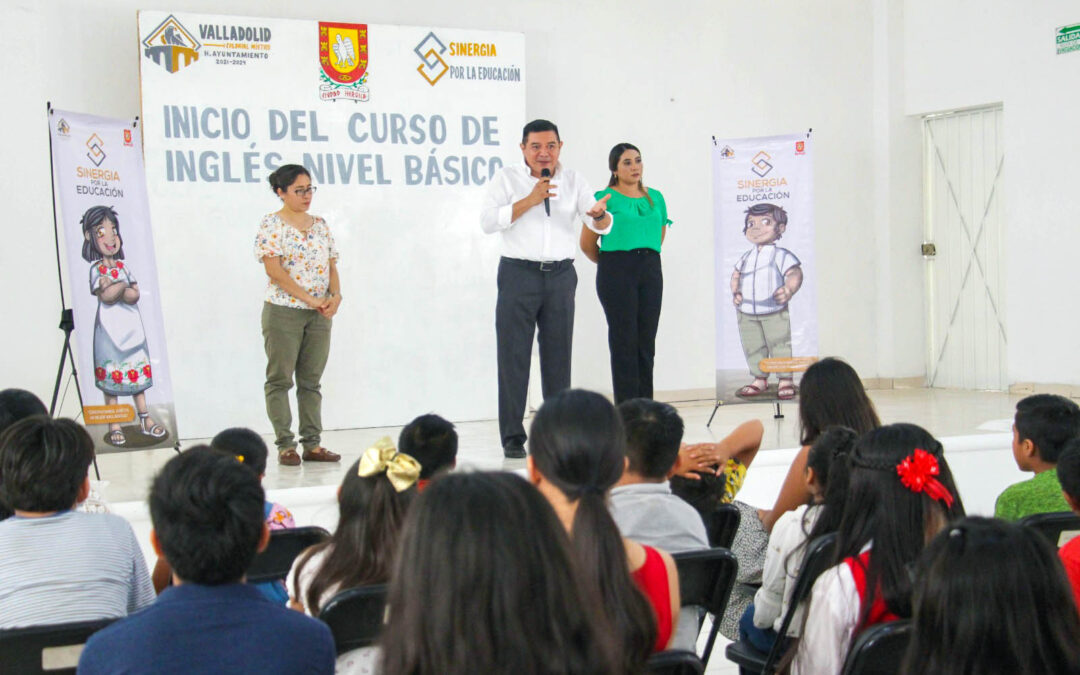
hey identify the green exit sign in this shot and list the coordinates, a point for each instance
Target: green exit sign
(1067, 38)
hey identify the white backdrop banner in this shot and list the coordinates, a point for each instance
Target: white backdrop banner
(766, 270)
(401, 128)
(119, 339)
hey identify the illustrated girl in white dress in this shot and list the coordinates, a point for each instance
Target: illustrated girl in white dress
(121, 361)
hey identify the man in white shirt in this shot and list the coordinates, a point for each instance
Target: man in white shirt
(535, 207)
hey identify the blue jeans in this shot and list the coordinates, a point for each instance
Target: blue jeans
(761, 639)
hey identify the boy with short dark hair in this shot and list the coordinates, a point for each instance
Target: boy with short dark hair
(58, 565)
(1044, 423)
(207, 512)
(432, 441)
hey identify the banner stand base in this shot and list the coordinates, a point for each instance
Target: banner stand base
(67, 324)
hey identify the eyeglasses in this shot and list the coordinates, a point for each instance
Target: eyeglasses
(304, 192)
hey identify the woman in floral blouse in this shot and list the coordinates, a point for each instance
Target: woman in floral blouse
(303, 294)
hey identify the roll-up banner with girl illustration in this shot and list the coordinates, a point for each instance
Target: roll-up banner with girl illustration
(119, 338)
(766, 271)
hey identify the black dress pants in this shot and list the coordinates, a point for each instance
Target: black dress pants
(534, 298)
(631, 285)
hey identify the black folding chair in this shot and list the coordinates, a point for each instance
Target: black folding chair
(355, 616)
(818, 558)
(51, 649)
(674, 662)
(879, 650)
(275, 562)
(705, 581)
(721, 525)
(1054, 525)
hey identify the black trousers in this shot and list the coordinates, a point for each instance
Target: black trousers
(631, 285)
(534, 298)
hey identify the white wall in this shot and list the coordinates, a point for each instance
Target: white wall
(666, 76)
(965, 53)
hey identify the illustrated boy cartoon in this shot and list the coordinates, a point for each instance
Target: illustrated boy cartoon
(764, 280)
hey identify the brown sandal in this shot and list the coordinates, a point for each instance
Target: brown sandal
(321, 454)
(288, 457)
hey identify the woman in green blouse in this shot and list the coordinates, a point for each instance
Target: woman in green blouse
(629, 280)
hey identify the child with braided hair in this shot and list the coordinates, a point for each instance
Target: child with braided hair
(901, 494)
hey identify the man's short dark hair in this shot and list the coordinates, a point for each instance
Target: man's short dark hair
(432, 441)
(1068, 469)
(207, 511)
(43, 463)
(1049, 422)
(245, 445)
(654, 431)
(538, 126)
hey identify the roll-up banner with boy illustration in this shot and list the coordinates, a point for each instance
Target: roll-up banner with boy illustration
(119, 339)
(766, 272)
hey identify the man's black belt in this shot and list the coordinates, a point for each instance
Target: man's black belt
(543, 266)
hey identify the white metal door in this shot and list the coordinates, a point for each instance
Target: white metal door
(963, 160)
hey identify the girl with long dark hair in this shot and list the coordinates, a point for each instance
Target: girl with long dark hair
(901, 494)
(486, 583)
(991, 598)
(827, 480)
(372, 501)
(577, 452)
(629, 279)
(830, 393)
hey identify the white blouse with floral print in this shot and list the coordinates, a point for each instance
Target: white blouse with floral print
(305, 256)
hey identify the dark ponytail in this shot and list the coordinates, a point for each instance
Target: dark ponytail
(578, 444)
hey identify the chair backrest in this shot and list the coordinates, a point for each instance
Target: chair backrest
(706, 578)
(1058, 528)
(355, 616)
(674, 662)
(51, 649)
(879, 650)
(817, 559)
(721, 525)
(274, 563)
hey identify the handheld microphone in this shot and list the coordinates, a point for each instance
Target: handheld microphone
(546, 173)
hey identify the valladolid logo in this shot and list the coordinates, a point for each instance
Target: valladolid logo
(171, 46)
(343, 55)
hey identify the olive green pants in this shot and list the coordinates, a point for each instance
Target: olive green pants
(297, 341)
(765, 336)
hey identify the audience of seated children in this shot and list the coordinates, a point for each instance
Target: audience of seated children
(433, 442)
(1044, 423)
(248, 448)
(830, 393)
(207, 514)
(486, 582)
(61, 565)
(827, 480)
(17, 404)
(990, 598)
(577, 452)
(901, 494)
(372, 502)
(1068, 472)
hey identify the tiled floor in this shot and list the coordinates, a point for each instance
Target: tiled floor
(942, 412)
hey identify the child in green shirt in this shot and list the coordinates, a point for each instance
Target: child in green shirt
(1044, 423)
